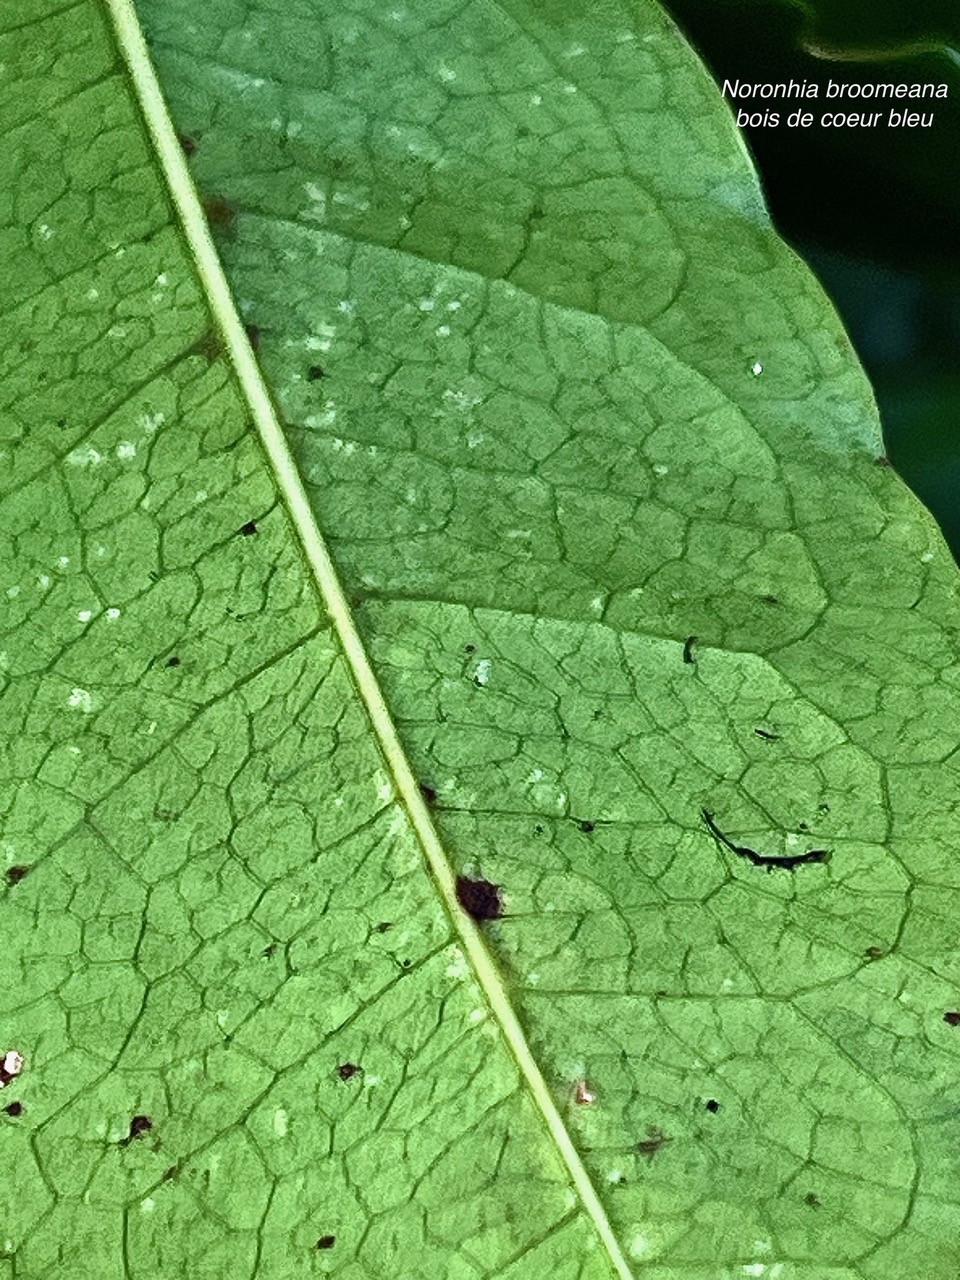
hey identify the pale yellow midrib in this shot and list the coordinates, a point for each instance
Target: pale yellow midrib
(180, 184)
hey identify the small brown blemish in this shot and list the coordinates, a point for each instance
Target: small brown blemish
(480, 899)
(469, 648)
(882, 461)
(173, 662)
(429, 793)
(15, 874)
(314, 373)
(209, 345)
(170, 1173)
(14, 1109)
(652, 1143)
(248, 529)
(139, 1125)
(586, 826)
(384, 926)
(347, 1070)
(253, 335)
(952, 1017)
(219, 212)
(875, 953)
(269, 950)
(812, 1199)
(188, 144)
(326, 1242)
(688, 649)
(712, 1105)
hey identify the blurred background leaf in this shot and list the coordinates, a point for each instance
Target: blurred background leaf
(876, 212)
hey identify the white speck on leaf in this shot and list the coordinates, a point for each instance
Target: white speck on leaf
(126, 449)
(443, 331)
(84, 615)
(88, 457)
(12, 1064)
(82, 699)
(757, 369)
(280, 1122)
(481, 674)
(113, 613)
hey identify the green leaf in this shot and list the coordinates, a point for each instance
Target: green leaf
(577, 405)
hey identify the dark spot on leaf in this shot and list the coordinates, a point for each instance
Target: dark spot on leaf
(537, 211)
(767, 735)
(61, 422)
(875, 953)
(538, 829)
(219, 212)
(823, 808)
(139, 1125)
(480, 899)
(812, 1199)
(347, 1070)
(16, 874)
(523, 131)
(269, 950)
(769, 861)
(712, 1105)
(770, 599)
(170, 1173)
(209, 345)
(173, 662)
(153, 575)
(405, 964)
(688, 649)
(952, 1018)
(802, 826)
(188, 144)
(586, 826)
(326, 1242)
(253, 335)
(882, 461)
(598, 713)
(14, 1109)
(429, 793)
(470, 648)
(651, 1144)
(248, 529)
(384, 925)
(315, 372)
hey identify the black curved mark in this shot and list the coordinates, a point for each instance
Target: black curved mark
(786, 862)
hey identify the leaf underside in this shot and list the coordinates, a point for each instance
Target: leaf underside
(561, 401)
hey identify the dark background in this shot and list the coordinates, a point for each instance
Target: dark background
(875, 212)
